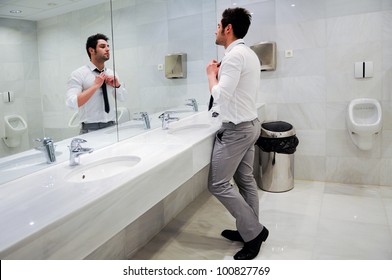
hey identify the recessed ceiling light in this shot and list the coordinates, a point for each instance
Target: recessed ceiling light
(15, 11)
(292, 5)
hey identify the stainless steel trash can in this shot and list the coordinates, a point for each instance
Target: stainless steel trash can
(278, 143)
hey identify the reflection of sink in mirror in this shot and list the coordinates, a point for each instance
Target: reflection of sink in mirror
(188, 128)
(101, 169)
(24, 162)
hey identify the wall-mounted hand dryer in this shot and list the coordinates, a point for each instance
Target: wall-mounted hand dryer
(175, 66)
(266, 51)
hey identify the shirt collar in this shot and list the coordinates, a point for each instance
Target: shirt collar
(233, 44)
(93, 67)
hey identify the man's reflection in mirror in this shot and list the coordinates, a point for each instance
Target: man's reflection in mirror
(93, 87)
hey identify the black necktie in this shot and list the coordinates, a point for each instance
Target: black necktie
(104, 93)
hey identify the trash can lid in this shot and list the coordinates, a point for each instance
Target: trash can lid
(277, 129)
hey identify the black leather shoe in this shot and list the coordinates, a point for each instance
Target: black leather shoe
(232, 235)
(251, 249)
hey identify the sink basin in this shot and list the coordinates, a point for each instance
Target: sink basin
(101, 169)
(185, 129)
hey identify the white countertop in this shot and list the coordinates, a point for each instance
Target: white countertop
(47, 217)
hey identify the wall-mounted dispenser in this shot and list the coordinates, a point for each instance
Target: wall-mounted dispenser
(175, 66)
(266, 51)
(363, 69)
(8, 96)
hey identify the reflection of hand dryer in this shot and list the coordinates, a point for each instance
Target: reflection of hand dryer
(266, 52)
(175, 66)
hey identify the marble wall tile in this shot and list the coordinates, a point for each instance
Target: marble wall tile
(302, 11)
(148, 12)
(295, 66)
(386, 143)
(387, 113)
(353, 170)
(303, 115)
(180, 41)
(180, 8)
(311, 142)
(302, 35)
(335, 8)
(339, 144)
(309, 167)
(386, 20)
(385, 172)
(336, 115)
(354, 29)
(152, 33)
(305, 89)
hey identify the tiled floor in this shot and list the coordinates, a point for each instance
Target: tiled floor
(315, 220)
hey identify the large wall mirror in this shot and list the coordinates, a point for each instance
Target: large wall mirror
(44, 43)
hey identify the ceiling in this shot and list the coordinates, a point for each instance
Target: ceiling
(40, 9)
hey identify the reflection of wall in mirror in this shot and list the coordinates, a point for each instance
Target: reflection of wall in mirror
(143, 35)
(21, 78)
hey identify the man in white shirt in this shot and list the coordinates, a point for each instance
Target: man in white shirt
(93, 87)
(234, 84)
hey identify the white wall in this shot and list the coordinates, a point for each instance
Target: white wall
(312, 89)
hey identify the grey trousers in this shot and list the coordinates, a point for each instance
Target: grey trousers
(232, 157)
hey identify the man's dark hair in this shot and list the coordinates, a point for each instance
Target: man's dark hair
(239, 18)
(92, 41)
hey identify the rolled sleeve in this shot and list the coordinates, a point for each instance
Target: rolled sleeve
(74, 89)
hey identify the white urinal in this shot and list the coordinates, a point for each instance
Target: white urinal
(15, 127)
(364, 121)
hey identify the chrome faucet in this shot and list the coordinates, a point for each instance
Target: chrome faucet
(75, 150)
(143, 116)
(193, 103)
(166, 119)
(47, 148)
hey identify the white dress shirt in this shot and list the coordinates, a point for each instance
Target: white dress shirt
(239, 82)
(93, 110)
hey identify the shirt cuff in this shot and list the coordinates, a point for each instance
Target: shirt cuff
(215, 92)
